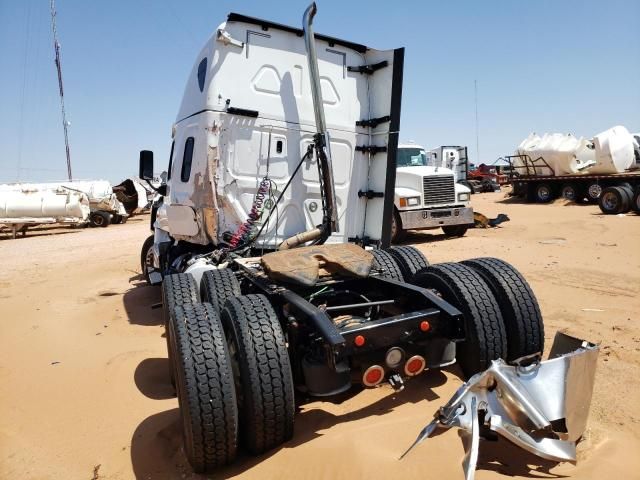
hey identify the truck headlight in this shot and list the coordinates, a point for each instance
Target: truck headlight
(463, 197)
(409, 201)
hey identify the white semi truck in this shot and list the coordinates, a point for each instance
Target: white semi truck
(427, 196)
(276, 182)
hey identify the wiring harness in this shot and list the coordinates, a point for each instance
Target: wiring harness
(244, 232)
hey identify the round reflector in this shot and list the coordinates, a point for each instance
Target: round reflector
(414, 365)
(373, 376)
(359, 341)
(424, 326)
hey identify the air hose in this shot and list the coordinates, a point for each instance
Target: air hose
(244, 232)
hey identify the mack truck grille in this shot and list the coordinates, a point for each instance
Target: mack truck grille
(438, 190)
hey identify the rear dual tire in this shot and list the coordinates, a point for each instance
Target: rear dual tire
(233, 378)
(178, 290)
(615, 200)
(518, 306)
(409, 259)
(262, 372)
(502, 315)
(204, 383)
(485, 332)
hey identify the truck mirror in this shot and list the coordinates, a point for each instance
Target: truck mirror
(146, 165)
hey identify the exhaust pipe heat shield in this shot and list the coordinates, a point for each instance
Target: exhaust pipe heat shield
(541, 407)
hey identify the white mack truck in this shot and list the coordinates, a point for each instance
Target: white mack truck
(272, 243)
(428, 196)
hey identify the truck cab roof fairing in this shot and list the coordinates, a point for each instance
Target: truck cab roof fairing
(245, 38)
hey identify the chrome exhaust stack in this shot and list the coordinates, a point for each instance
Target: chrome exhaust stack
(321, 138)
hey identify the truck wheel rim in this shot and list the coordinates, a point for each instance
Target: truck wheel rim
(99, 220)
(595, 190)
(544, 193)
(610, 201)
(148, 262)
(568, 193)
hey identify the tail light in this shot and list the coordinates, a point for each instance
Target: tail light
(414, 365)
(373, 376)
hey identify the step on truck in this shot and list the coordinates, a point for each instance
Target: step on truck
(271, 240)
(428, 196)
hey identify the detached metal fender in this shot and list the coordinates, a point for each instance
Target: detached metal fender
(541, 407)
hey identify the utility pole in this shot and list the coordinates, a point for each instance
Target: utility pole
(475, 88)
(65, 124)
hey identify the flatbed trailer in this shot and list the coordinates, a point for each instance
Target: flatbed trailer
(530, 183)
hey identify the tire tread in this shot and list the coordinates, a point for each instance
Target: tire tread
(205, 387)
(268, 405)
(518, 305)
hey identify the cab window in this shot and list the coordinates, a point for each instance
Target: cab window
(173, 144)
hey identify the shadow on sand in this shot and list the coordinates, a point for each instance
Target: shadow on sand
(142, 302)
(505, 458)
(156, 445)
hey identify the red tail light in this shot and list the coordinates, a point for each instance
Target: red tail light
(373, 376)
(415, 365)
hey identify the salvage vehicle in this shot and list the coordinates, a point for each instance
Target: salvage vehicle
(604, 169)
(105, 207)
(25, 207)
(428, 196)
(271, 240)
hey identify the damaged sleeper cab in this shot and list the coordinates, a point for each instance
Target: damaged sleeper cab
(271, 240)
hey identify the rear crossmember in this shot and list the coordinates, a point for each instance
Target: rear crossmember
(444, 320)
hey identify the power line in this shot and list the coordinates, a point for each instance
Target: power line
(65, 124)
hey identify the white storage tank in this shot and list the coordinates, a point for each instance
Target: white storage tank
(43, 205)
(608, 152)
(614, 151)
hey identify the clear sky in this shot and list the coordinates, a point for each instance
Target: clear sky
(553, 65)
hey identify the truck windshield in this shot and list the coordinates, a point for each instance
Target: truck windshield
(411, 157)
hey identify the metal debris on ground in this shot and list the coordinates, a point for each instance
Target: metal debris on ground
(540, 406)
(482, 221)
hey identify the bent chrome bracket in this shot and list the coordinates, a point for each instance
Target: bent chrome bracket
(541, 407)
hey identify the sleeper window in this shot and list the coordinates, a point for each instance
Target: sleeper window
(185, 172)
(202, 73)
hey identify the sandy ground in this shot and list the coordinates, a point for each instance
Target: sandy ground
(84, 390)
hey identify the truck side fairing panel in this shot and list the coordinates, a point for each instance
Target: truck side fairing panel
(264, 73)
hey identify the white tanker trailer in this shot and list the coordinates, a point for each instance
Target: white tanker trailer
(105, 206)
(20, 209)
(604, 169)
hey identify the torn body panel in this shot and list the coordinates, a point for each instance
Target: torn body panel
(542, 407)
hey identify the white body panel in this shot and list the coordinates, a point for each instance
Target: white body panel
(266, 71)
(18, 206)
(608, 152)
